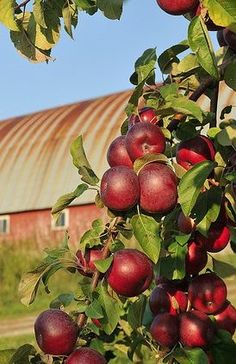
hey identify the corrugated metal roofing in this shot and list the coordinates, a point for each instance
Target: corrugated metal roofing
(35, 164)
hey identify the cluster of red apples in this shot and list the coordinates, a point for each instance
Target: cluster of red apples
(225, 36)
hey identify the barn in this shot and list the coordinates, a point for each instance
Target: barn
(36, 167)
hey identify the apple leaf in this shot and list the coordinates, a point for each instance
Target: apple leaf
(92, 236)
(190, 356)
(38, 12)
(94, 310)
(223, 348)
(177, 259)
(222, 12)
(136, 311)
(64, 299)
(81, 162)
(231, 176)
(22, 355)
(87, 5)
(191, 183)
(230, 75)
(147, 233)
(169, 55)
(7, 14)
(112, 9)
(149, 158)
(227, 137)
(144, 67)
(111, 310)
(66, 200)
(103, 265)
(223, 269)
(201, 44)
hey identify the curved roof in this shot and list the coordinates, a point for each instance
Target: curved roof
(35, 163)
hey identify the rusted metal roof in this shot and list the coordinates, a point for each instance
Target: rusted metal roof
(35, 164)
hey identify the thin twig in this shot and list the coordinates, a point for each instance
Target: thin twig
(23, 4)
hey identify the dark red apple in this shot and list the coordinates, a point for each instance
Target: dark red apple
(131, 272)
(85, 261)
(158, 188)
(217, 239)
(207, 293)
(117, 154)
(146, 114)
(85, 356)
(196, 329)
(165, 329)
(177, 7)
(196, 258)
(220, 38)
(119, 188)
(194, 150)
(185, 223)
(226, 318)
(144, 138)
(230, 38)
(167, 298)
(55, 332)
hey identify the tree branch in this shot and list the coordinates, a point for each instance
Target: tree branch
(23, 4)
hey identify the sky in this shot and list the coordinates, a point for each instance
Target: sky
(99, 60)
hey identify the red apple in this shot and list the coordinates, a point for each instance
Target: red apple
(131, 272)
(165, 329)
(194, 150)
(207, 293)
(217, 239)
(230, 38)
(117, 154)
(146, 114)
(85, 261)
(196, 258)
(119, 188)
(177, 7)
(144, 138)
(167, 298)
(185, 223)
(226, 318)
(196, 329)
(85, 356)
(158, 188)
(55, 332)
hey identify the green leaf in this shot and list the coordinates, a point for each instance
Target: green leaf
(66, 199)
(7, 12)
(191, 184)
(169, 91)
(231, 176)
(64, 299)
(181, 104)
(230, 75)
(201, 44)
(38, 11)
(94, 310)
(81, 162)
(87, 5)
(169, 55)
(207, 208)
(190, 356)
(146, 231)
(112, 9)
(111, 310)
(223, 269)
(149, 158)
(22, 354)
(188, 64)
(145, 65)
(6, 355)
(136, 311)
(92, 236)
(227, 137)
(177, 259)
(223, 348)
(103, 265)
(222, 12)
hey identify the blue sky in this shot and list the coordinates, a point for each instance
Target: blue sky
(99, 61)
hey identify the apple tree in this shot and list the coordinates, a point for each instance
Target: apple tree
(150, 287)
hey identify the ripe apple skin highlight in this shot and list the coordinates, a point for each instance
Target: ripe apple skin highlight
(194, 150)
(131, 272)
(165, 329)
(196, 258)
(158, 188)
(144, 138)
(117, 154)
(226, 318)
(85, 355)
(177, 7)
(119, 188)
(207, 293)
(86, 264)
(217, 239)
(55, 332)
(196, 329)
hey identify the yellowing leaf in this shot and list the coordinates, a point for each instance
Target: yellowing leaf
(7, 14)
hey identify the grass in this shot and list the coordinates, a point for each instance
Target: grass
(14, 342)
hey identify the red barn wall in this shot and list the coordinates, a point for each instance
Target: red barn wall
(36, 225)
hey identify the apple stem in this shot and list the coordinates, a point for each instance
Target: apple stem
(112, 233)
